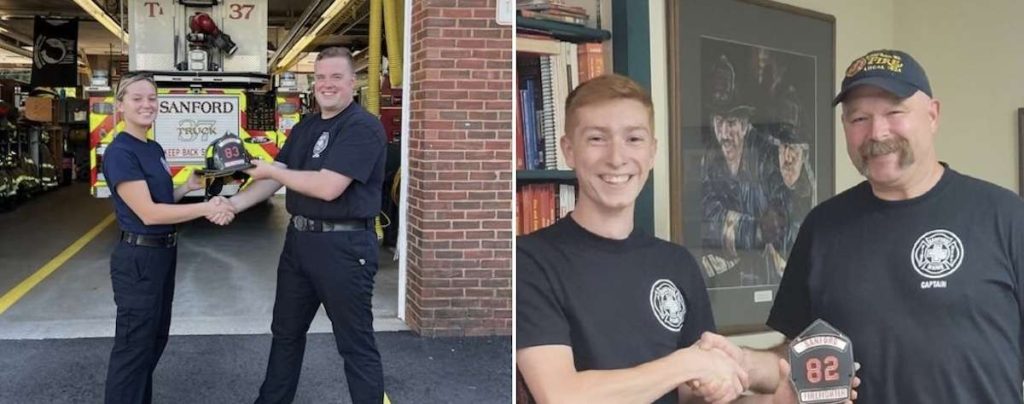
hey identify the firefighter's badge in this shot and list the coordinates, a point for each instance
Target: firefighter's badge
(321, 144)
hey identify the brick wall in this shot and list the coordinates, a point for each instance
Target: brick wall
(460, 170)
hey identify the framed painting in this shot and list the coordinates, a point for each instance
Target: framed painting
(751, 142)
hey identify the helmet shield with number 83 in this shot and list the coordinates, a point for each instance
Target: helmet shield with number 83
(821, 359)
(225, 156)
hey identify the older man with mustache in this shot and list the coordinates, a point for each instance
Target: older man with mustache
(922, 266)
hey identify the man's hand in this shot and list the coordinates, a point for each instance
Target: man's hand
(195, 182)
(710, 341)
(722, 379)
(784, 394)
(261, 170)
(220, 211)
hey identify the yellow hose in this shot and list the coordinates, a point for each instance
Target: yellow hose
(373, 70)
(393, 33)
(400, 10)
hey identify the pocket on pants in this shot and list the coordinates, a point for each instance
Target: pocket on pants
(354, 252)
(134, 301)
(137, 321)
(128, 267)
(364, 245)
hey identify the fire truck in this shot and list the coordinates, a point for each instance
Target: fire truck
(209, 60)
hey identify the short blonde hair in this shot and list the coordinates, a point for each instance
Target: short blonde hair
(601, 89)
(126, 81)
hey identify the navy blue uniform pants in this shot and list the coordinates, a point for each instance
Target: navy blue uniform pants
(143, 283)
(335, 269)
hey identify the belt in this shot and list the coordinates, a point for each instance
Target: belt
(302, 223)
(150, 240)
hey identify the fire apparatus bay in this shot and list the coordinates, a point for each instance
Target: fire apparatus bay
(209, 60)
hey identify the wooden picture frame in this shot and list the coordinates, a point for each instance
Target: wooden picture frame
(751, 142)
(1020, 152)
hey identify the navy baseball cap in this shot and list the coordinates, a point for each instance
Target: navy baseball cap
(891, 70)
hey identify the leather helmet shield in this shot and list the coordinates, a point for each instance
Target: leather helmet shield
(821, 359)
(225, 156)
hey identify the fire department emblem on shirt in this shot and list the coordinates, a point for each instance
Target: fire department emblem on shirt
(937, 254)
(321, 144)
(668, 305)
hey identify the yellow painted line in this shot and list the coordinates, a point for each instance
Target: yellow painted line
(386, 400)
(12, 297)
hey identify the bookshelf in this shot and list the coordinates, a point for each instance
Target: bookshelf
(557, 56)
(552, 59)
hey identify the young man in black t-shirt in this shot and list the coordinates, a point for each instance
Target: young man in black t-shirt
(604, 311)
(921, 266)
(333, 167)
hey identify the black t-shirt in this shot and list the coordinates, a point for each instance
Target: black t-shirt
(616, 303)
(928, 289)
(130, 159)
(351, 143)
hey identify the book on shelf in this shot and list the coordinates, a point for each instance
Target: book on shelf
(548, 71)
(590, 58)
(547, 114)
(540, 205)
(530, 140)
(520, 149)
(585, 59)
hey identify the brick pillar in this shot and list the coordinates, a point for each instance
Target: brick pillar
(460, 170)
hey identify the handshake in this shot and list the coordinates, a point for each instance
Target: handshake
(722, 374)
(220, 210)
(725, 371)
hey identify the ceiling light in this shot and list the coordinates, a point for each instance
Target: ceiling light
(300, 45)
(90, 7)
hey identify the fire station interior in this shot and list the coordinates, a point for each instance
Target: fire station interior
(56, 222)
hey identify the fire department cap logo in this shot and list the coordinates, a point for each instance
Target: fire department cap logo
(937, 254)
(321, 144)
(668, 304)
(856, 67)
(891, 70)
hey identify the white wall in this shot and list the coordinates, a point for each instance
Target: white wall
(974, 57)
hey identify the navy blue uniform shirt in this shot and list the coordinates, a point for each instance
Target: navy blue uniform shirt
(130, 159)
(929, 290)
(351, 143)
